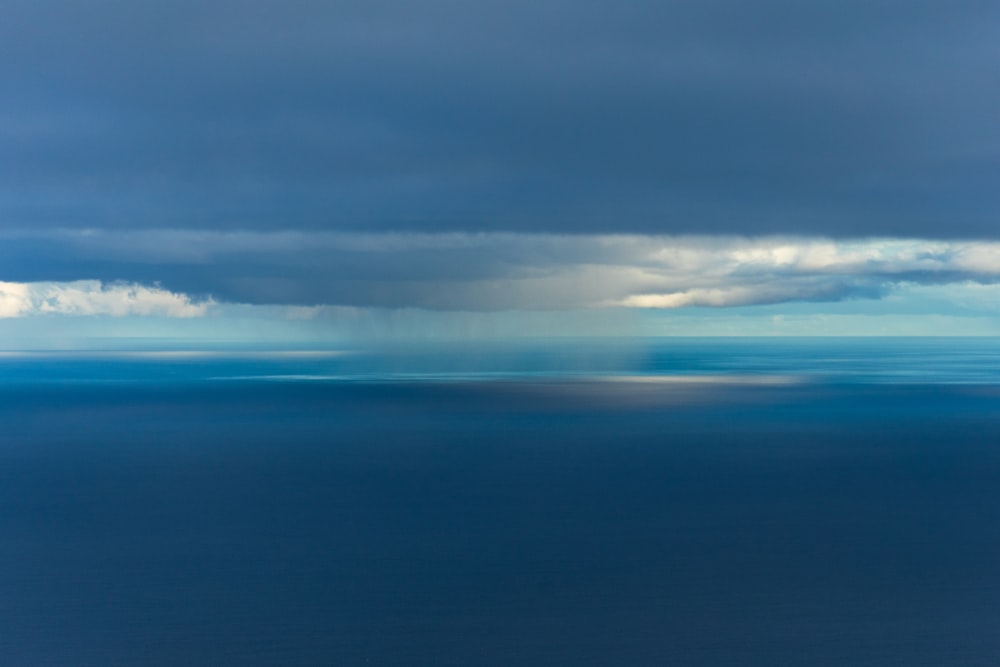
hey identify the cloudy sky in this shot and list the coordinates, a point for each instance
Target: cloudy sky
(329, 170)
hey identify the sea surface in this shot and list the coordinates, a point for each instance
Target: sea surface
(655, 502)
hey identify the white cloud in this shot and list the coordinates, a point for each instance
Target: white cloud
(716, 296)
(14, 299)
(91, 297)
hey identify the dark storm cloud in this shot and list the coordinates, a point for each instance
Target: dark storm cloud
(838, 118)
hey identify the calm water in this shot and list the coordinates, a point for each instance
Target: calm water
(794, 502)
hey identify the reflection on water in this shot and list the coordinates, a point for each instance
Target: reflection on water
(670, 504)
(824, 360)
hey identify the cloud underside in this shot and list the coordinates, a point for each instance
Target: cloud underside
(309, 271)
(837, 118)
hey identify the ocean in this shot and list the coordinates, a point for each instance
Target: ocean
(656, 502)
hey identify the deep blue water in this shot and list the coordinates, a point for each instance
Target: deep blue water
(784, 502)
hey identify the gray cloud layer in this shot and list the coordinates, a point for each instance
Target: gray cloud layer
(462, 271)
(854, 117)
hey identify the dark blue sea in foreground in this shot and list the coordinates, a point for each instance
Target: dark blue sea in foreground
(677, 502)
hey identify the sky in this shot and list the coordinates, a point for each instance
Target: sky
(345, 171)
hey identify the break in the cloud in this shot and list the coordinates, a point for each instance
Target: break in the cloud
(494, 271)
(90, 297)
